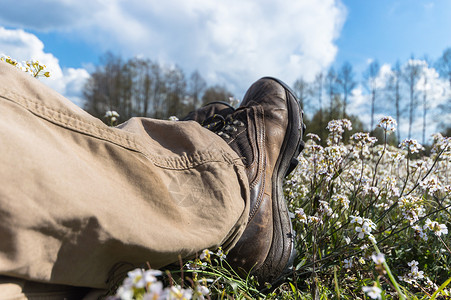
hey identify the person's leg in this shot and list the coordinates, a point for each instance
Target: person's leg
(78, 197)
(21, 289)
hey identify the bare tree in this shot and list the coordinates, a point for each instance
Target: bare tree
(331, 83)
(394, 94)
(443, 65)
(317, 91)
(216, 93)
(425, 89)
(370, 76)
(196, 86)
(103, 90)
(175, 91)
(411, 75)
(347, 84)
(158, 91)
(301, 88)
(126, 104)
(142, 81)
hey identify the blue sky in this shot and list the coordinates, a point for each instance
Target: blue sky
(231, 43)
(389, 30)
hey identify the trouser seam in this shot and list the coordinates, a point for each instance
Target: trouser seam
(58, 117)
(64, 120)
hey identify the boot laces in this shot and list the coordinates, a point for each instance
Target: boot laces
(224, 127)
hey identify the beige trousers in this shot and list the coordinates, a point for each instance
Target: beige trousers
(78, 198)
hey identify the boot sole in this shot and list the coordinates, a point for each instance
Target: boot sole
(283, 243)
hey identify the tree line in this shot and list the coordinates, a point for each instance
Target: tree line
(406, 91)
(141, 87)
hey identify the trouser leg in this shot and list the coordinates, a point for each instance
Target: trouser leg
(77, 197)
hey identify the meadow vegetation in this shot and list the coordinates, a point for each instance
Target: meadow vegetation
(371, 222)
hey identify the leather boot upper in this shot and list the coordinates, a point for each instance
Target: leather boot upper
(266, 133)
(201, 114)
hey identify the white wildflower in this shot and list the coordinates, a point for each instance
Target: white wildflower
(325, 208)
(387, 123)
(336, 129)
(441, 143)
(200, 292)
(221, 254)
(431, 184)
(154, 291)
(411, 207)
(363, 139)
(300, 214)
(419, 232)
(175, 292)
(347, 263)
(373, 292)
(413, 263)
(341, 199)
(411, 145)
(416, 274)
(356, 219)
(435, 227)
(378, 258)
(366, 228)
(315, 220)
(313, 137)
(111, 114)
(205, 255)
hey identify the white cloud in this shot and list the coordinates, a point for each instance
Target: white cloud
(230, 42)
(383, 77)
(23, 46)
(74, 81)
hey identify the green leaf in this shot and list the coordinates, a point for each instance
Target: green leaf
(442, 287)
(293, 288)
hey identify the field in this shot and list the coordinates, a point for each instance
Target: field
(371, 221)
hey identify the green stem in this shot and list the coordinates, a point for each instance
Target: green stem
(389, 273)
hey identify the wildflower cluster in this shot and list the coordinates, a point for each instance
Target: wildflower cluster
(336, 129)
(111, 117)
(33, 67)
(436, 228)
(388, 124)
(418, 279)
(141, 284)
(411, 145)
(362, 141)
(374, 292)
(411, 207)
(208, 275)
(363, 227)
(350, 198)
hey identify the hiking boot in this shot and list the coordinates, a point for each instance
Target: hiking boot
(214, 108)
(266, 133)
